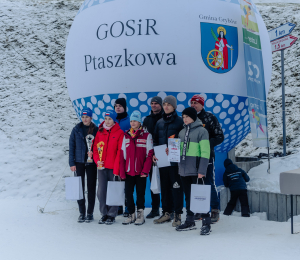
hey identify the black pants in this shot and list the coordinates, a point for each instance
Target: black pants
(187, 182)
(155, 198)
(210, 180)
(140, 184)
(171, 190)
(91, 175)
(242, 196)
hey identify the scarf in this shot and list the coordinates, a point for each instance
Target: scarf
(133, 133)
(185, 141)
(107, 128)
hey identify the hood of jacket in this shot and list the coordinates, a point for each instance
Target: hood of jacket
(115, 128)
(195, 124)
(230, 167)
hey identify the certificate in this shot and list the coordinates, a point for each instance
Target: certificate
(162, 158)
(174, 149)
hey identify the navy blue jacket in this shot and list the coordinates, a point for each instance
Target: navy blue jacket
(77, 145)
(235, 178)
(124, 123)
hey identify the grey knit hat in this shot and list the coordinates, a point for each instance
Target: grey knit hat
(157, 99)
(171, 100)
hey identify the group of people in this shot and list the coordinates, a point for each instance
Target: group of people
(123, 150)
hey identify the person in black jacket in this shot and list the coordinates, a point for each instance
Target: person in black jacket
(216, 137)
(149, 125)
(169, 126)
(235, 178)
(78, 155)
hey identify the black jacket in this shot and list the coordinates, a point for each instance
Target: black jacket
(151, 120)
(235, 178)
(212, 125)
(78, 146)
(166, 127)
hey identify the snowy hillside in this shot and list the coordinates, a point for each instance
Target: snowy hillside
(37, 115)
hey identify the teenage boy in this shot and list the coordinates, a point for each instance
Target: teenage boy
(149, 125)
(169, 126)
(216, 137)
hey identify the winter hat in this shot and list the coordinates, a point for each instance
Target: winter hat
(157, 99)
(198, 98)
(122, 102)
(112, 114)
(87, 112)
(191, 112)
(171, 100)
(227, 162)
(136, 116)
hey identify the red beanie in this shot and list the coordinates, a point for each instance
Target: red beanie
(198, 98)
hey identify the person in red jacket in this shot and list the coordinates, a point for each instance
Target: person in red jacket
(135, 165)
(106, 153)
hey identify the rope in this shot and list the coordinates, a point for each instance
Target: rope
(42, 210)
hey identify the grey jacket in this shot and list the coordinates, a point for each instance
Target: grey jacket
(194, 149)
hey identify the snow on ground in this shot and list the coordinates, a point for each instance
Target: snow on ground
(26, 234)
(261, 180)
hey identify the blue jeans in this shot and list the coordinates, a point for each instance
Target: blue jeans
(210, 180)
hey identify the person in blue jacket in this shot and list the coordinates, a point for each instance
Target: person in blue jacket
(235, 178)
(123, 120)
(78, 155)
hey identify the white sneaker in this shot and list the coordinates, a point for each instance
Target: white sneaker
(130, 219)
(140, 220)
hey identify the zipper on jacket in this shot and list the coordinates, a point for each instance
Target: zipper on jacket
(189, 144)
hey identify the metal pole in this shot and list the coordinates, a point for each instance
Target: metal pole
(269, 166)
(283, 103)
(292, 215)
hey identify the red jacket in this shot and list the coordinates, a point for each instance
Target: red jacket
(136, 154)
(112, 146)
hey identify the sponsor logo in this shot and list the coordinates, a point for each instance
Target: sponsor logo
(142, 141)
(200, 198)
(176, 185)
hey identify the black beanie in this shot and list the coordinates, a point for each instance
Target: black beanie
(122, 102)
(191, 112)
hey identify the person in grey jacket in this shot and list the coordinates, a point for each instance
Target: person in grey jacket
(194, 158)
(78, 155)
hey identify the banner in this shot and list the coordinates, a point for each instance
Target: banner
(138, 49)
(255, 78)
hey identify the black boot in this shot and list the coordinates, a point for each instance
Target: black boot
(103, 220)
(81, 218)
(186, 226)
(205, 229)
(89, 218)
(154, 213)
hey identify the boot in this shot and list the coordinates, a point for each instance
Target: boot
(89, 218)
(81, 218)
(215, 216)
(110, 220)
(130, 219)
(163, 219)
(154, 213)
(177, 220)
(103, 220)
(206, 228)
(186, 226)
(140, 220)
